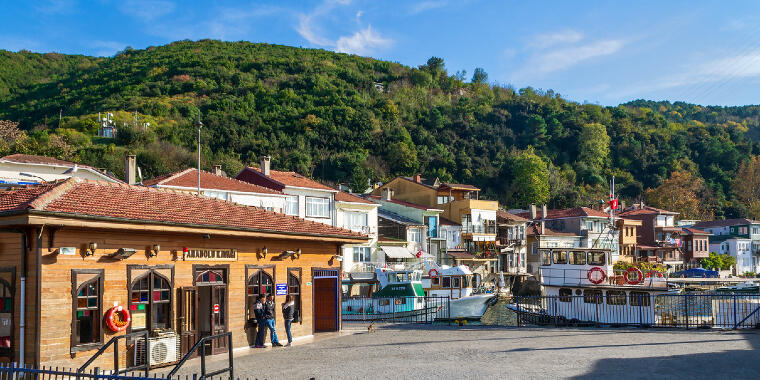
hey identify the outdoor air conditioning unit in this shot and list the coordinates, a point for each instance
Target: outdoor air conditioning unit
(163, 350)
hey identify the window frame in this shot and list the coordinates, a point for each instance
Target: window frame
(250, 270)
(149, 270)
(291, 271)
(321, 199)
(415, 232)
(357, 256)
(567, 297)
(598, 296)
(592, 262)
(288, 199)
(99, 276)
(647, 300)
(618, 299)
(11, 272)
(443, 280)
(557, 256)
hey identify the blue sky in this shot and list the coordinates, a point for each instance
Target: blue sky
(599, 52)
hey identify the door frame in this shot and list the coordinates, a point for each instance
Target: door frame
(182, 307)
(338, 297)
(225, 268)
(12, 289)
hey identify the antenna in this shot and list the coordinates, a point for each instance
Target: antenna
(199, 124)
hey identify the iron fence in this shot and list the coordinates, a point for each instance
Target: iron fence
(11, 371)
(364, 310)
(618, 308)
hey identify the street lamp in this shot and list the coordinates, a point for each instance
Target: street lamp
(199, 124)
(32, 175)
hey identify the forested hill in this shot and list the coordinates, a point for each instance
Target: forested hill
(343, 118)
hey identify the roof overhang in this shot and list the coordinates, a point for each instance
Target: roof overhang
(61, 219)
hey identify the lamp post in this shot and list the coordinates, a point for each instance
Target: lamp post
(199, 124)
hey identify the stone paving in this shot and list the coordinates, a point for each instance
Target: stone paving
(484, 352)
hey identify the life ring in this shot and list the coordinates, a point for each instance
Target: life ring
(433, 273)
(117, 318)
(655, 273)
(633, 281)
(590, 276)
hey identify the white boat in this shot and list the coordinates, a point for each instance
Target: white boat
(456, 283)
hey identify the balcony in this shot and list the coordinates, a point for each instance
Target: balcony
(366, 230)
(479, 229)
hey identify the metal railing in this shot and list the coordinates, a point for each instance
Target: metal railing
(640, 309)
(10, 371)
(115, 342)
(201, 343)
(424, 310)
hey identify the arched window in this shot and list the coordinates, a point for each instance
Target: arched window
(294, 290)
(87, 297)
(259, 283)
(151, 302)
(210, 277)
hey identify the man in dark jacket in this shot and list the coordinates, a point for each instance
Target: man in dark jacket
(269, 315)
(258, 312)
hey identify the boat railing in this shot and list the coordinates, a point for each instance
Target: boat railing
(395, 309)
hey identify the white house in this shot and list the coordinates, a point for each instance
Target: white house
(217, 185)
(25, 169)
(305, 197)
(739, 248)
(360, 215)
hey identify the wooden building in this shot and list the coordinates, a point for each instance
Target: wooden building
(184, 266)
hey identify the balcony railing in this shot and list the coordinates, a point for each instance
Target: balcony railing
(371, 266)
(367, 230)
(479, 229)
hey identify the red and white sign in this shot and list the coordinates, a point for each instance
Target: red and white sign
(419, 253)
(216, 308)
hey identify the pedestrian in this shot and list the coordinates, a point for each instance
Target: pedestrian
(258, 311)
(288, 314)
(269, 315)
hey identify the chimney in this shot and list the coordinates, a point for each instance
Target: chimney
(217, 170)
(130, 166)
(622, 206)
(543, 212)
(265, 162)
(387, 194)
(532, 212)
(417, 178)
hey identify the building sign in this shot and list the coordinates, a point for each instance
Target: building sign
(281, 289)
(205, 254)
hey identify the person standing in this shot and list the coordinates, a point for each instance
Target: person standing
(288, 313)
(269, 315)
(258, 311)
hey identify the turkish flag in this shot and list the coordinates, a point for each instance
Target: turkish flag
(613, 203)
(419, 253)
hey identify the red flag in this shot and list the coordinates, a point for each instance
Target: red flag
(613, 203)
(419, 253)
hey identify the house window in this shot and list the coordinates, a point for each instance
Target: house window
(294, 290)
(151, 302)
(317, 207)
(414, 235)
(291, 205)
(87, 294)
(443, 234)
(443, 199)
(355, 221)
(589, 225)
(362, 254)
(259, 283)
(432, 223)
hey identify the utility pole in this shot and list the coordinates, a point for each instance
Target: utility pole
(199, 124)
(60, 117)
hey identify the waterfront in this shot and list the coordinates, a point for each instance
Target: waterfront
(438, 352)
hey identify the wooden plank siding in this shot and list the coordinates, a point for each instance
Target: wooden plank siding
(56, 293)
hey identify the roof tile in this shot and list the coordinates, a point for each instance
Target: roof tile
(290, 179)
(189, 178)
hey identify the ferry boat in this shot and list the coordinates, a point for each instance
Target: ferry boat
(456, 283)
(388, 295)
(579, 285)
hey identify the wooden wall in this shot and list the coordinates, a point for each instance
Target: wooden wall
(56, 314)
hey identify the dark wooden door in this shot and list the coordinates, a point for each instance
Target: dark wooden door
(219, 317)
(188, 322)
(325, 304)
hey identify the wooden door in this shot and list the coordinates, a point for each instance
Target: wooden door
(188, 322)
(219, 317)
(325, 304)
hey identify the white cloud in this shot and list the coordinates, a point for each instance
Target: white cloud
(570, 56)
(361, 42)
(309, 31)
(565, 37)
(147, 10)
(426, 6)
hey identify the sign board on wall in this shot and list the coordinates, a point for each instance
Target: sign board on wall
(281, 289)
(207, 254)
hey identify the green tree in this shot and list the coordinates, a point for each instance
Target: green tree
(479, 75)
(718, 261)
(594, 145)
(530, 179)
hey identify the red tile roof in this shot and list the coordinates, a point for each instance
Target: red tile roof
(567, 213)
(286, 179)
(695, 231)
(78, 197)
(646, 210)
(33, 159)
(457, 186)
(535, 230)
(447, 222)
(343, 196)
(189, 178)
(509, 216)
(725, 223)
(408, 204)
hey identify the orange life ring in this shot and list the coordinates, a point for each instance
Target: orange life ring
(118, 318)
(430, 273)
(639, 276)
(590, 277)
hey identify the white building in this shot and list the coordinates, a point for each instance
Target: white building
(359, 215)
(217, 185)
(740, 249)
(24, 169)
(305, 197)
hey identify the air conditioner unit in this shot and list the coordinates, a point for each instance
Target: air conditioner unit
(163, 350)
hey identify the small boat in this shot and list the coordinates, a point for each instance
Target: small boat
(456, 283)
(389, 295)
(747, 287)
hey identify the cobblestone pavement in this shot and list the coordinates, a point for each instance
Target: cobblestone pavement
(482, 352)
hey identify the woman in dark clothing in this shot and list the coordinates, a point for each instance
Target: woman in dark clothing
(288, 312)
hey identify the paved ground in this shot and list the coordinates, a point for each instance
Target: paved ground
(481, 352)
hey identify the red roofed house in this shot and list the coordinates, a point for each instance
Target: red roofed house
(305, 197)
(659, 239)
(695, 247)
(358, 214)
(512, 242)
(217, 185)
(181, 265)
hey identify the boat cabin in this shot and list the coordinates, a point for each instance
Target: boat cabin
(575, 266)
(455, 282)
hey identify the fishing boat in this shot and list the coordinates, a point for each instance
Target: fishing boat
(456, 283)
(388, 295)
